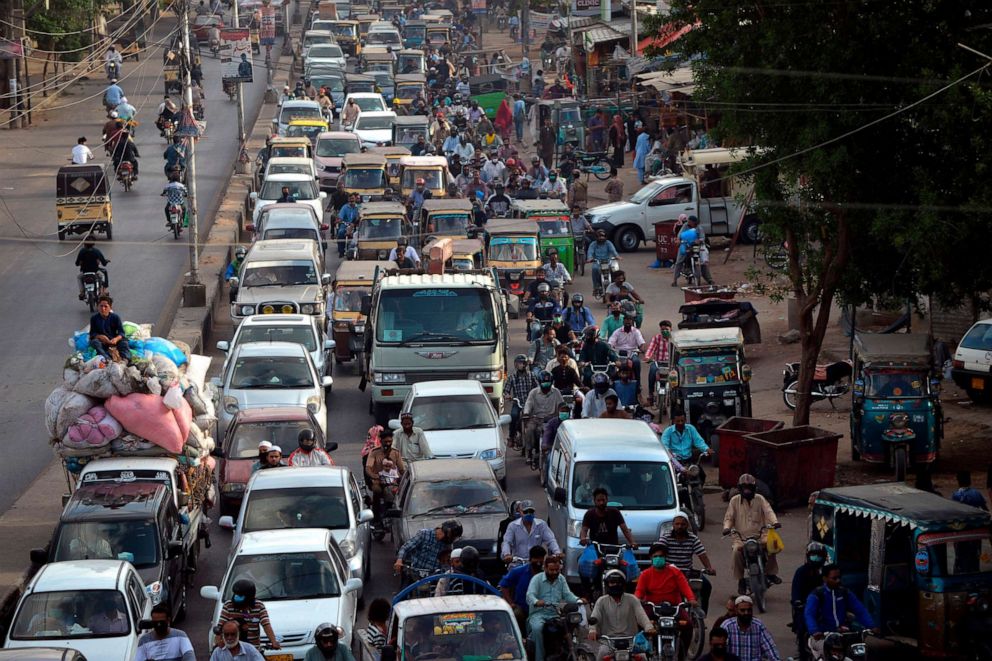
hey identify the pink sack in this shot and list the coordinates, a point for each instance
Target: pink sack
(95, 428)
(147, 417)
(184, 418)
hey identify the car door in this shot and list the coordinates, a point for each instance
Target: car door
(670, 202)
(401, 503)
(364, 540)
(557, 476)
(174, 575)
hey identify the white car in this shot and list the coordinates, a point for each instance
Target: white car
(325, 54)
(302, 578)
(70, 604)
(459, 422)
(315, 37)
(297, 328)
(301, 186)
(375, 128)
(290, 110)
(290, 165)
(321, 497)
(367, 101)
(261, 374)
(972, 366)
(384, 36)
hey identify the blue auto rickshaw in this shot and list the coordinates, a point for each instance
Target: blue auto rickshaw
(920, 563)
(896, 417)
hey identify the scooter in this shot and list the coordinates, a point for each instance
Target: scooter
(125, 175)
(176, 215)
(830, 381)
(168, 130)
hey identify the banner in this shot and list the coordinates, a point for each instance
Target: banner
(235, 55)
(267, 31)
(479, 7)
(539, 22)
(586, 7)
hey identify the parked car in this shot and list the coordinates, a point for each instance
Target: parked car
(65, 605)
(298, 328)
(301, 576)
(972, 366)
(459, 422)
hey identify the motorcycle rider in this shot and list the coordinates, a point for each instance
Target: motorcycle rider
(659, 353)
(595, 352)
(376, 464)
(249, 612)
(686, 237)
(617, 613)
(621, 290)
(518, 386)
(525, 533)
(545, 592)
(235, 265)
(308, 454)
(167, 112)
(555, 271)
(526, 192)
(628, 338)
(827, 609)
(411, 441)
(469, 567)
(498, 204)
(537, 173)
(422, 550)
(553, 186)
(325, 638)
(543, 349)
(597, 251)
(112, 95)
(684, 442)
(542, 309)
(578, 316)
(747, 513)
(541, 405)
(494, 170)
(91, 260)
(163, 641)
(125, 150)
(681, 547)
(514, 584)
(404, 254)
(807, 578)
(718, 647)
(112, 62)
(175, 194)
(175, 155)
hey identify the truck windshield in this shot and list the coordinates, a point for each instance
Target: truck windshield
(435, 316)
(455, 496)
(286, 576)
(479, 636)
(312, 507)
(635, 485)
(135, 540)
(700, 370)
(72, 614)
(895, 383)
(452, 412)
(248, 435)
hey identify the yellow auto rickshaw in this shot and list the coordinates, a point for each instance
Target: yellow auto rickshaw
(346, 34)
(467, 254)
(380, 224)
(298, 147)
(364, 174)
(364, 22)
(407, 87)
(445, 218)
(352, 283)
(306, 128)
(82, 200)
(411, 61)
(438, 34)
(513, 250)
(432, 169)
(394, 155)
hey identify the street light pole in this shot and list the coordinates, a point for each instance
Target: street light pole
(194, 238)
(238, 98)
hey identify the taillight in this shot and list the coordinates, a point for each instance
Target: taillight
(957, 364)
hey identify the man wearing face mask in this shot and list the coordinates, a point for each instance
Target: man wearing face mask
(718, 647)
(683, 441)
(164, 643)
(525, 533)
(595, 352)
(747, 513)
(577, 316)
(659, 355)
(594, 404)
(683, 546)
(807, 578)
(516, 581)
(617, 613)
(326, 645)
(542, 403)
(747, 637)
(663, 581)
(244, 607)
(613, 321)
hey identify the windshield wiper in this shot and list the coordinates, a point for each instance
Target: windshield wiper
(434, 336)
(437, 509)
(483, 503)
(481, 425)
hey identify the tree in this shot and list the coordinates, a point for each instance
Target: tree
(850, 167)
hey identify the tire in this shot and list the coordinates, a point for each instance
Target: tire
(900, 462)
(790, 399)
(758, 589)
(359, 363)
(603, 173)
(91, 301)
(751, 232)
(126, 183)
(698, 641)
(776, 257)
(627, 238)
(176, 228)
(502, 483)
(698, 510)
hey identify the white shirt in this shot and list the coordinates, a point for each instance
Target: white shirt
(409, 253)
(81, 154)
(174, 647)
(626, 340)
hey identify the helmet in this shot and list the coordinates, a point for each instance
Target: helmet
(543, 288)
(535, 159)
(600, 379)
(326, 632)
(470, 559)
(113, 114)
(590, 332)
(240, 252)
(816, 549)
(306, 439)
(511, 162)
(577, 299)
(544, 376)
(451, 529)
(747, 479)
(614, 576)
(520, 358)
(244, 588)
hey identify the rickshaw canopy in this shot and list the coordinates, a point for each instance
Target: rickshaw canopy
(892, 349)
(703, 338)
(81, 181)
(366, 160)
(902, 504)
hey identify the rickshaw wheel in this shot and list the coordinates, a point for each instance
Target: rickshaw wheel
(899, 460)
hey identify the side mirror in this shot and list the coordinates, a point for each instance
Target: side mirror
(326, 381)
(394, 423)
(250, 227)
(175, 549)
(226, 522)
(388, 653)
(253, 196)
(146, 625)
(365, 516)
(322, 195)
(39, 556)
(330, 446)
(223, 346)
(325, 279)
(353, 585)
(745, 372)
(559, 495)
(504, 420)
(216, 382)
(218, 453)
(329, 344)
(210, 592)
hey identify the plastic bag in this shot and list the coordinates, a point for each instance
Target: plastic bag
(135, 331)
(173, 398)
(587, 561)
(774, 542)
(147, 417)
(165, 370)
(94, 363)
(632, 570)
(196, 371)
(80, 340)
(163, 347)
(192, 396)
(70, 377)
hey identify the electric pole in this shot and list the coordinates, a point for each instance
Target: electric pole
(194, 237)
(238, 97)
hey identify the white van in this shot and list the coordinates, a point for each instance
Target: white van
(626, 458)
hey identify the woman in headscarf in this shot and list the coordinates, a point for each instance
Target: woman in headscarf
(618, 139)
(641, 149)
(504, 119)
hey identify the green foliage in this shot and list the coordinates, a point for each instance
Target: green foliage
(63, 16)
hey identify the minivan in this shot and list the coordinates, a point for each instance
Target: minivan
(626, 458)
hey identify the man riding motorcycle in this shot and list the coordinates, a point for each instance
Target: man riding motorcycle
(377, 463)
(595, 352)
(518, 386)
(498, 204)
(682, 546)
(827, 609)
(617, 613)
(750, 515)
(91, 260)
(175, 194)
(168, 112)
(577, 316)
(542, 309)
(308, 454)
(422, 551)
(541, 405)
(808, 577)
(175, 155)
(546, 591)
(125, 150)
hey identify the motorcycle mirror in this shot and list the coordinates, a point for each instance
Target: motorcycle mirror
(745, 372)
(673, 378)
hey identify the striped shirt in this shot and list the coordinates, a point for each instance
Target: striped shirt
(375, 637)
(681, 551)
(255, 618)
(752, 644)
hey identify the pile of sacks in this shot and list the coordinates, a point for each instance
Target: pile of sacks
(158, 405)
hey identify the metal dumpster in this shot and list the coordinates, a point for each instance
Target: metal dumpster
(793, 462)
(733, 455)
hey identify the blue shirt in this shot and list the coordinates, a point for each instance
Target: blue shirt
(552, 594)
(687, 237)
(113, 95)
(517, 580)
(826, 610)
(348, 214)
(601, 252)
(970, 496)
(111, 325)
(682, 444)
(641, 149)
(627, 392)
(578, 320)
(519, 110)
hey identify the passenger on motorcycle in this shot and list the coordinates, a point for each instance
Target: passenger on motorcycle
(542, 309)
(663, 581)
(518, 386)
(827, 609)
(469, 558)
(682, 546)
(411, 441)
(175, 155)
(326, 647)
(249, 613)
(546, 591)
(808, 577)
(422, 551)
(554, 271)
(376, 464)
(613, 410)
(516, 581)
(498, 204)
(308, 454)
(747, 513)
(542, 404)
(618, 613)
(621, 290)
(91, 260)
(628, 338)
(577, 316)
(594, 403)
(526, 532)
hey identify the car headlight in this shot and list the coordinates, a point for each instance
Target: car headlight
(230, 404)
(598, 219)
(494, 375)
(389, 377)
(313, 403)
(311, 308)
(347, 548)
(233, 487)
(247, 310)
(489, 455)
(155, 592)
(664, 529)
(574, 528)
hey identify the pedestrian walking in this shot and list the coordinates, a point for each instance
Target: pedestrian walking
(618, 138)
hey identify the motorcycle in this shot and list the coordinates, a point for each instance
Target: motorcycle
(595, 163)
(660, 387)
(125, 175)
(176, 215)
(610, 557)
(621, 648)
(690, 488)
(756, 581)
(501, 23)
(606, 269)
(113, 70)
(830, 381)
(390, 487)
(168, 130)
(692, 266)
(898, 436)
(561, 634)
(92, 286)
(855, 648)
(680, 631)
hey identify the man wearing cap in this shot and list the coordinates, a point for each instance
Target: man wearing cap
(748, 637)
(526, 532)
(682, 546)
(410, 441)
(377, 462)
(273, 458)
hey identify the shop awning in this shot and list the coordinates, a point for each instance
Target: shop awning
(601, 35)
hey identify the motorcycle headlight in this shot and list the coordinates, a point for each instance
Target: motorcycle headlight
(489, 455)
(313, 403)
(233, 487)
(230, 404)
(389, 377)
(247, 310)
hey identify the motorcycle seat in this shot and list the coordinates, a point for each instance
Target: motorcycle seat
(833, 372)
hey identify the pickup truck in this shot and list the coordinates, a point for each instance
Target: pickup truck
(703, 191)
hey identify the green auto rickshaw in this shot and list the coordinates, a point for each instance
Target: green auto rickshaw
(553, 223)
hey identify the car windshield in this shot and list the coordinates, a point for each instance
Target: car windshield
(332, 83)
(298, 112)
(363, 178)
(555, 227)
(71, 614)
(645, 193)
(455, 496)
(337, 147)
(281, 274)
(133, 540)
(389, 38)
(456, 223)
(312, 507)
(969, 553)
(370, 104)
(325, 50)
(431, 316)
(349, 299)
(373, 123)
(415, 31)
(295, 213)
(265, 333)
(292, 233)
(380, 228)
(431, 177)
(409, 92)
(286, 576)
(453, 412)
(247, 436)
(288, 151)
(700, 370)
(978, 338)
(896, 383)
(263, 372)
(289, 168)
(632, 485)
(314, 40)
(513, 250)
(301, 190)
(466, 636)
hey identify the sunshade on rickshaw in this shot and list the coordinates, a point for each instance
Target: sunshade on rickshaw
(82, 200)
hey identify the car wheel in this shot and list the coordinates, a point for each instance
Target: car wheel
(978, 396)
(627, 238)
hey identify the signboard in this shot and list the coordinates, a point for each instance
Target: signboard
(235, 55)
(539, 22)
(479, 7)
(10, 49)
(586, 7)
(267, 31)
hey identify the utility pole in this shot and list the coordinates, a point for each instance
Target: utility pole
(238, 97)
(194, 294)
(633, 28)
(525, 28)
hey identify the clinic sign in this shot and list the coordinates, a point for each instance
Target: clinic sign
(586, 7)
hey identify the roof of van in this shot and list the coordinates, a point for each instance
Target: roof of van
(273, 249)
(598, 438)
(421, 280)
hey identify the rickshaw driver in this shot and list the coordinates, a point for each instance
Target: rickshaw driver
(827, 608)
(895, 385)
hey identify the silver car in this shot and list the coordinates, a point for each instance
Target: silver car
(298, 328)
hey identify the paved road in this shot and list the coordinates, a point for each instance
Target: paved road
(42, 310)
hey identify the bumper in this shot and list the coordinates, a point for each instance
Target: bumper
(389, 394)
(972, 379)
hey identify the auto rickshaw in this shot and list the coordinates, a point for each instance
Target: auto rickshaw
(82, 201)
(896, 416)
(414, 34)
(554, 223)
(411, 61)
(365, 175)
(921, 564)
(389, 12)
(408, 86)
(446, 254)
(438, 35)
(513, 250)
(407, 128)
(297, 147)
(359, 83)
(450, 218)
(364, 22)
(377, 58)
(394, 155)
(306, 128)
(352, 283)
(432, 169)
(570, 122)
(346, 33)
(380, 224)
(709, 381)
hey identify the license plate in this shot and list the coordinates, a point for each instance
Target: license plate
(279, 657)
(978, 384)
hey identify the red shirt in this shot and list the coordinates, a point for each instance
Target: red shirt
(658, 585)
